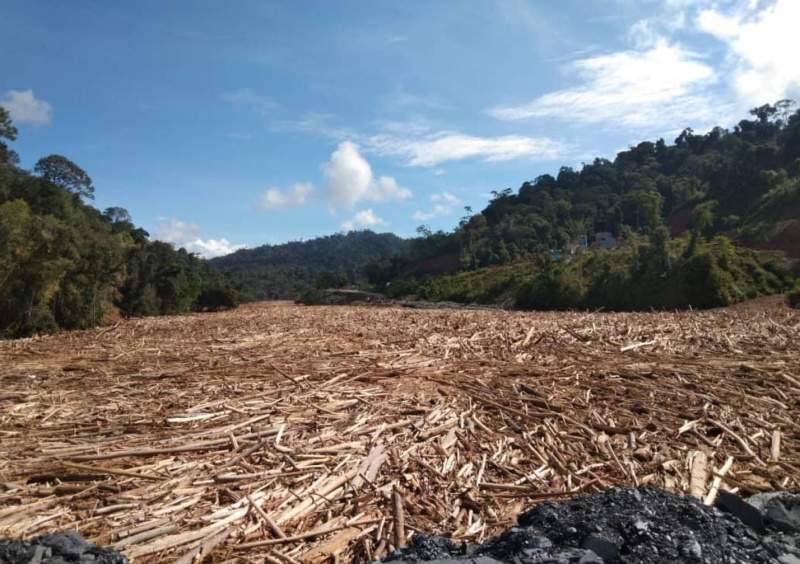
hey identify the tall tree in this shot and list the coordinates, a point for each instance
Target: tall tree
(8, 132)
(64, 173)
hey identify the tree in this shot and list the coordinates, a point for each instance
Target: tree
(424, 231)
(63, 172)
(117, 215)
(9, 132)
(702, 216)
(660, 260)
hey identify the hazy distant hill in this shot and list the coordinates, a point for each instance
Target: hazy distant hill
(288, 270)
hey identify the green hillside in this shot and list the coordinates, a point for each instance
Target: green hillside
(290, 270)
(65, 264)
(679, 219)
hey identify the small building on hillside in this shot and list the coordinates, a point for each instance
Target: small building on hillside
(605, 240)
(578, 245)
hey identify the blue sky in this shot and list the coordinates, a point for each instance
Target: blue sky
(222, 124)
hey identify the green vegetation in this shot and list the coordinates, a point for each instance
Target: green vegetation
(679, 219)
(638, 275)
(794, 296)
(65, 264)
(295, 269)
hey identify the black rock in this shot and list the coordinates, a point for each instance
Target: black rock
(633, 525)
(781, 510)
(742, 510)
(603, 547)
(57, 548)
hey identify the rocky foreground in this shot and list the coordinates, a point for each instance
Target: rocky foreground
(641, 525)
(621, 525)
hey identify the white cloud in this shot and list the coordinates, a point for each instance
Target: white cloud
(349, 179)
(386, 189)
(446, 198)
(24, 107)
(648, 88)
(763, 48)
(187, 235)
(275, 198)
(444, 203)
(441, 147)
(363, 220)
(249, 98)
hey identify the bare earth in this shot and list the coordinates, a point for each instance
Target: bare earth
(221, 433)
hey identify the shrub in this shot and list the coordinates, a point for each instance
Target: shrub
(216, 299)
(553, 288)
(794, 296)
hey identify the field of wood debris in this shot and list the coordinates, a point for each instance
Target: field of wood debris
(305, 434)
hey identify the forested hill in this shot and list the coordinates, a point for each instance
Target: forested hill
(660, 207)
(66, 264)
(289, 270)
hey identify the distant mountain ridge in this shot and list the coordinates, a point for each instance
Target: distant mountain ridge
(288, 270)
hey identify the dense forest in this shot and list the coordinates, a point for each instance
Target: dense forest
(659, 226)
(66, 264)
(290, 270)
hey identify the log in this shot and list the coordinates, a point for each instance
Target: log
(399, 520)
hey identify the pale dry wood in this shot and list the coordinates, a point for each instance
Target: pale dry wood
(698, 474)
(719, 475)
(775, 447)
(399, 520)
(473, 415)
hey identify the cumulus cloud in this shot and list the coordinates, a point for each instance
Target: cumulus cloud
(444, 203)
(276, 198)
(24, 107)
(437, 148)
(640, 88)
(187, 235)
(363, 220)
(763, 46)
(349, 179)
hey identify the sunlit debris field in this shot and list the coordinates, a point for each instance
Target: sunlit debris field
(287, 432)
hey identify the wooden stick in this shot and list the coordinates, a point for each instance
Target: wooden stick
(112, 471)
(195, 447)
(697, 481)
(775, 450)
(715, 484)
(399, 520)
(304, 536)
(738, 439)
(267, 519)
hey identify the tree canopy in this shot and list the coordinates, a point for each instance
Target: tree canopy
(64, 264)
(741, 186)
(62, 172)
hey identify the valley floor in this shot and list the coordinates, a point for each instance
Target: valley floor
(221, 433)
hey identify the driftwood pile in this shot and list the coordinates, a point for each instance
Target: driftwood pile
(292, 433)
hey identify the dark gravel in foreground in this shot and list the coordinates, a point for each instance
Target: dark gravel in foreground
(57, 548)
(620, 525)
(641, 525)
